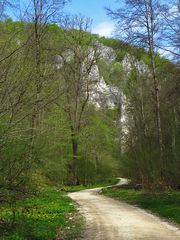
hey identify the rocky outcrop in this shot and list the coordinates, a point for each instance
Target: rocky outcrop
(104, 95)
(101, 94)
(130, 62)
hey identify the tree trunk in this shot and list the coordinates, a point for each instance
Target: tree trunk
(73, 171)
(156, 85)
(158, 115)
(174, 127)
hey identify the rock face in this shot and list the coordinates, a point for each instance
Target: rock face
(101, 94)
(106, 53)
(104, 95)
(129, 62)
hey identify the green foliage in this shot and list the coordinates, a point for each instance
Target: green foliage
(36, 131)
(54, 145)
(45, 216)
(41, 102)
(113, 43)
(97, 146)
(141, 157)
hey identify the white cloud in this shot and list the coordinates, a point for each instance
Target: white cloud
(104, 29)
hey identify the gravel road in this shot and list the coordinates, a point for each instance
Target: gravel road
(108, 219)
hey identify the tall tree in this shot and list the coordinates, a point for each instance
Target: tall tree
(77, 60)
(139, 22)
(43, 13)
(171, 35)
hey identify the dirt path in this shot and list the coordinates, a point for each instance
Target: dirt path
(108, 219)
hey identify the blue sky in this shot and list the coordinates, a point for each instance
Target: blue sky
(95, 10)
(102, 24)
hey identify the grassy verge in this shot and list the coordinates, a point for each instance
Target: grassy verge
(165, 204)
(46, 216)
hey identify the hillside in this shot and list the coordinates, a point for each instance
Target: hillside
(78, 109)
(108, 95)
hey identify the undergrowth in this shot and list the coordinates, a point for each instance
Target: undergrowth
(48, 215)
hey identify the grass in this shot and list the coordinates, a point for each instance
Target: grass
(46, 216)
(165, 203)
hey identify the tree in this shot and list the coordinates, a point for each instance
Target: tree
(139, 23)
(43, 13)
(171, 36)
(25, 69)
(77, 60)
(14, 112)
